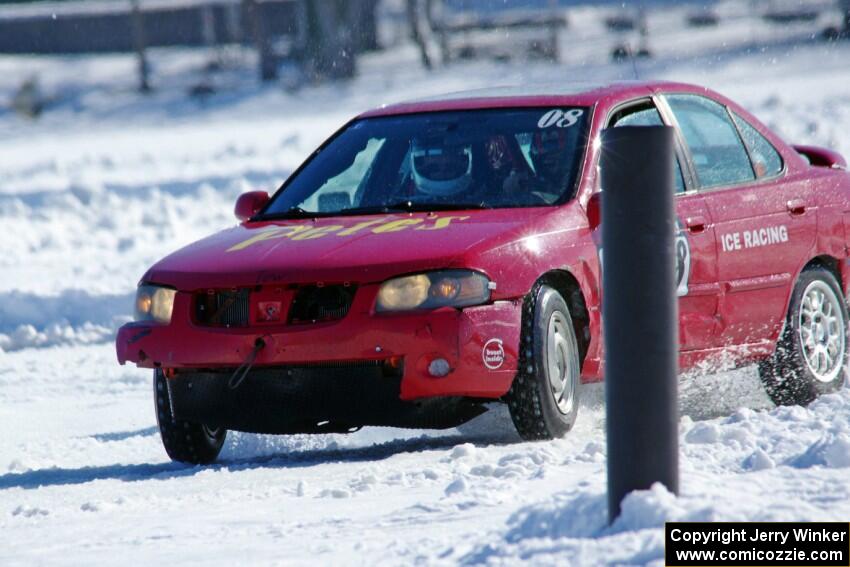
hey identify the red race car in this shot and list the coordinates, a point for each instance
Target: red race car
(434, 256)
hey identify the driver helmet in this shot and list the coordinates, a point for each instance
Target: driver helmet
(548, 153)
(441, 170)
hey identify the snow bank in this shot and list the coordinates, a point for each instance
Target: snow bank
(777, 449)
(27, 336)
(73, 317)
(832, 450)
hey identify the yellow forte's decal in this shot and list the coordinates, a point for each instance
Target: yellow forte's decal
(395, 226)
(317, 232)
(376, 226)
(359, 226)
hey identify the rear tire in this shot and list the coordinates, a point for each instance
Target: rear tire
(184, 441)
(811, 354)
(544, 397)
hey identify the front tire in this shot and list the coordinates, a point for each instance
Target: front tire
(184, 441)
(811, 355)
(544, 397)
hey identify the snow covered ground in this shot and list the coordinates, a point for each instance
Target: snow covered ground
(106, 182)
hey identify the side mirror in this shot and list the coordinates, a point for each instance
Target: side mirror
(249, 203)
(821, 157)
(594, 210)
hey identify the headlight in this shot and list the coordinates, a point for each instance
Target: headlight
(154, 303)
(448, 288)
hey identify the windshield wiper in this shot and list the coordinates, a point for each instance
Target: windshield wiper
(401, 206)
(291, 213)
(412, 207)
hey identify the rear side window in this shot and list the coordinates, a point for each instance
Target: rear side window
(719, 155)
(644, 116)
(647, 115)
(766, 160)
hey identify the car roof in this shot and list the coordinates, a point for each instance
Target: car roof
(573, 94)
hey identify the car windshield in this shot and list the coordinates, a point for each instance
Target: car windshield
(444, 160)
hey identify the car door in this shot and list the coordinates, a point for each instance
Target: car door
(696, 260)
(764, 227)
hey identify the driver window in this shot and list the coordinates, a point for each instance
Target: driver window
(340, 191)
(647, 115)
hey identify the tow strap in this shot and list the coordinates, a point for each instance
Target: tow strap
(242, 372)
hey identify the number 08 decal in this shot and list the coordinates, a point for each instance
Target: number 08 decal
(559, 118)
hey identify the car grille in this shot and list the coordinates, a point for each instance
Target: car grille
(316, 304)
(310, 304)
(223, 308)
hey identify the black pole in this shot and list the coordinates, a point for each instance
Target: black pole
(640, 310)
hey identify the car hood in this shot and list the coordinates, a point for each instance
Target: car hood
(359, 249)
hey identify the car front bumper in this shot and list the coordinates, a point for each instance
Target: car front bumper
(479, 343)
